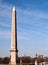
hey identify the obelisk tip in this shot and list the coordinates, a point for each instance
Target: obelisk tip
(14, 8)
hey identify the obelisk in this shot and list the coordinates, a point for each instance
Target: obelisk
(13, 51)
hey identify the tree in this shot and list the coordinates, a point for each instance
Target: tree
(1, 60)
(6, 60)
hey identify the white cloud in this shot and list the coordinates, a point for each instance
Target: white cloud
(5, 24)
(5, 20)
(27, 34)
(5, 10)
(35, 13)
(5, 15)
(29, 18)
(5, 34)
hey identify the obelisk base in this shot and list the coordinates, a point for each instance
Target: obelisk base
(36, 63)
(13, 63)
(13, 57)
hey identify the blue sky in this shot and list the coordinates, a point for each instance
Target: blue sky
(32, 27)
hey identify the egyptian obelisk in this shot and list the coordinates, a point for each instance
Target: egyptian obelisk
(13, 51)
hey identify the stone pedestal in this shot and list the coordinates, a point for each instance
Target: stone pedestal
(36, 63)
